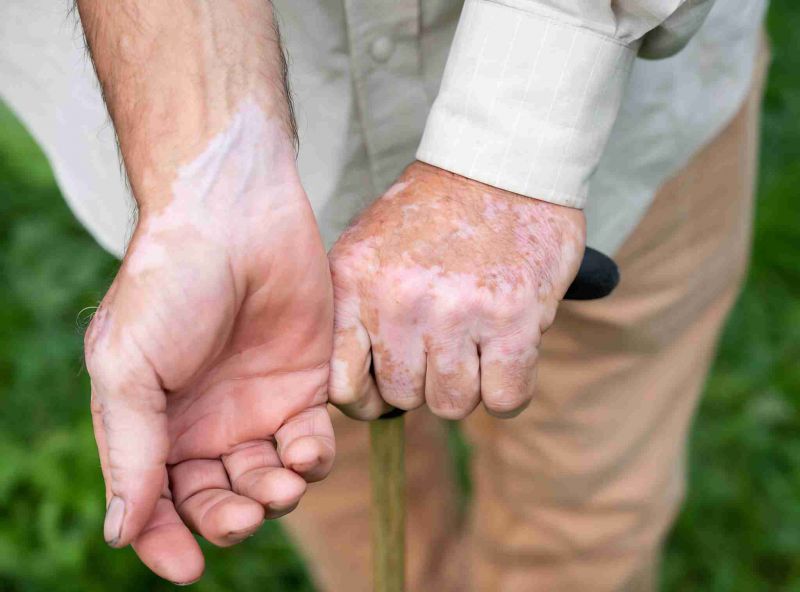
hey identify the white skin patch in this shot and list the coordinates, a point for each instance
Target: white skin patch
(232, 179)
(395, 189)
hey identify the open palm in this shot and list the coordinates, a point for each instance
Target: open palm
(209, 366)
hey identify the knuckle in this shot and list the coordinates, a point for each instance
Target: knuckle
(508, 386)
(399, 383)
(344, 271)
(402, 395)
(402, 298)
(450, 402)
(360, 412)
(349, 341)
(399, 386)
(449, 411)
(339, 250)
(121, 372)
(509, 398)
(343, 383)
(548, 316)
(349, 366)
(337, 263)
(403, 295)
(452, 309)
(505, 404)
(350, 264)
(341, 392)
(503, 314)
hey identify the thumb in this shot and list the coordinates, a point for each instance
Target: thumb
(129, 419)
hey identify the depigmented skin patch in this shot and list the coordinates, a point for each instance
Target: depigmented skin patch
(242, 175)
(206, 303)
(441, 271)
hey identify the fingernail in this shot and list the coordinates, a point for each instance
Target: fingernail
(112, 528)
(187, 583)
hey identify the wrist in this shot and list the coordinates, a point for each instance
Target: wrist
(242, 149)
(466, 189)
(249, 163)
(239, 193)
(175, 75)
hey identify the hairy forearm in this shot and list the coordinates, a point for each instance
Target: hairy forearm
(175, 73)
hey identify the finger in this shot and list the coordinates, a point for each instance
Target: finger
(255, 471)
(205, 502)
(452, 379)
(508, 376)
(306, 444)
(254, 407)
(130, 430)
(350, 385)
(167, 547)
(400, 372)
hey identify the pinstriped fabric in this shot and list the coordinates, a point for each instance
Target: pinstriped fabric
(526, 102)
(502, 166)
(527, 80)
(583, 108)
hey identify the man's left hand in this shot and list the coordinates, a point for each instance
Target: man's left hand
(442, 289)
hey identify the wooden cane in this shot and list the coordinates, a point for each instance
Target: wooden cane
(597, 277)
(387, 472)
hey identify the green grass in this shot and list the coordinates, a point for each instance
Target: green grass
(739, 529)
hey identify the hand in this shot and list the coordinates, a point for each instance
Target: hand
(442, 290)
(209, 354)
(209, 365)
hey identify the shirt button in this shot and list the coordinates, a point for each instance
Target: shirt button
(382, 48)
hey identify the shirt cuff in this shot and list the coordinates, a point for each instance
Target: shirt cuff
(526, 102)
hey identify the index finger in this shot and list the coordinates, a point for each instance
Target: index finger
(351, 386)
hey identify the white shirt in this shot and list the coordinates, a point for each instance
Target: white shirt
(545, 98)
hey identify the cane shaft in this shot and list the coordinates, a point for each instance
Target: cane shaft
(387, 471)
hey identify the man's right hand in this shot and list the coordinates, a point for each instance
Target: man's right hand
(209, 354)
(209, 364)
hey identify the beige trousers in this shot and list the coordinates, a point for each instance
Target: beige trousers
(577, 493)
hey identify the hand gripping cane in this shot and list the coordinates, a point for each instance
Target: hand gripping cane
(597, 277)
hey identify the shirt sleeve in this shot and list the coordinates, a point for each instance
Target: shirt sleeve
(532, 88)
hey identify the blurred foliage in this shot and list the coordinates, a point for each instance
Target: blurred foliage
(739, 529)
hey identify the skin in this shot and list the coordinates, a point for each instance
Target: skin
(442, 290)
(209, 355)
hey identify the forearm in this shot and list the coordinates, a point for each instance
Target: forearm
(174, 74)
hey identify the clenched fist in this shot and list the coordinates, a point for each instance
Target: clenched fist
(442, 290)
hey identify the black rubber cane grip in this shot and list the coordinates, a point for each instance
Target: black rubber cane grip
(597, 277)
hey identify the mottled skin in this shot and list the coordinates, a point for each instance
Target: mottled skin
(442, 289)
(209, 354)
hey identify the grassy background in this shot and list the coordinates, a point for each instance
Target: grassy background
(740, 527)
